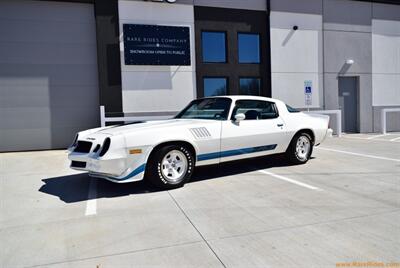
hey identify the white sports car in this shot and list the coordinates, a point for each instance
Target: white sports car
(208, 131)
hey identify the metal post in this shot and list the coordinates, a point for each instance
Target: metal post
(383, 121)
(102, 116)
(339, 122)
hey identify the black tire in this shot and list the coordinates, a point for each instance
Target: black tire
(292, 154)
(154, 172)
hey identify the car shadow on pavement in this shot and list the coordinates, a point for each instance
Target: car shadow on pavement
(238, 167)
(75, 188)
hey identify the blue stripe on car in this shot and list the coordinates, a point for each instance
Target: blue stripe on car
(137, 171)
(209, 156)
(249, 150)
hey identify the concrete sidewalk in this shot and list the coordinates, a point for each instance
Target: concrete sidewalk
(342, 206)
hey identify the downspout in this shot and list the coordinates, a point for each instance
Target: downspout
(269, 70)
(323, 58)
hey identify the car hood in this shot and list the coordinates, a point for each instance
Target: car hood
(154, 125)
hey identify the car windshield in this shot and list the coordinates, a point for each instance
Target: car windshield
(208, 108)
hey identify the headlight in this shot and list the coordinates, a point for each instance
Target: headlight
(96, 148)
(105, 147)
(75, 140)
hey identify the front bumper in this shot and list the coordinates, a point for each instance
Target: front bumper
(130, 176)
(112, 169)
(90, 163)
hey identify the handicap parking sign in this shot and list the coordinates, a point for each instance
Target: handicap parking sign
(308, 92)
(308, 87)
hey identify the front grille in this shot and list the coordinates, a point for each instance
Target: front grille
(78, 164)
(83, 147)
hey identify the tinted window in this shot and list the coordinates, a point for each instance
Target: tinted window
(209, 108)
(250, 86)
(255, 109)
(214, 47)
(249, 48)
(215, 86)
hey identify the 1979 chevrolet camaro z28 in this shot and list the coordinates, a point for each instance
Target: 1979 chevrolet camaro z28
(208, 131)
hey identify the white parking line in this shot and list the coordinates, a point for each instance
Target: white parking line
(377, 136)
(395, 139)
(91, 204)
(308, 186)
(361, 138)
(359, 154)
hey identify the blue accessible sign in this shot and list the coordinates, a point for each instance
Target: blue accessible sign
(308, 92)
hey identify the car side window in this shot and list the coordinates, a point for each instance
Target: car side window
(255, 109)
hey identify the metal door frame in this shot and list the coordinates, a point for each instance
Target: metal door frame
(357, 78)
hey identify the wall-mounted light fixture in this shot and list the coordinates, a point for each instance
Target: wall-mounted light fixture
(346, 66)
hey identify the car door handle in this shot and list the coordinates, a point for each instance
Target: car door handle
(280, 125)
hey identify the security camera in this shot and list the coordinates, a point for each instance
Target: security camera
(295, 27)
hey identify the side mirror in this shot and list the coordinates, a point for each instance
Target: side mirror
(240, 117)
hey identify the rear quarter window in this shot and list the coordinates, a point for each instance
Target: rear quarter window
(291, 109)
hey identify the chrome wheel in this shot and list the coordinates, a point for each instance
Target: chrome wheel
(303, 147)
(174, 166)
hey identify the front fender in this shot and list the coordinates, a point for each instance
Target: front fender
(171, 141)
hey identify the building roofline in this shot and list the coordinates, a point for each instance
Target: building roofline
(393, 2)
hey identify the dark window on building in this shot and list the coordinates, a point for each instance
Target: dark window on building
(215, 86)
(249, 48)
(214, 47)
(250, 86)
(255, 109)
(232, 44)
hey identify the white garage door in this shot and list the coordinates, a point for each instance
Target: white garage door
(48, 73)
